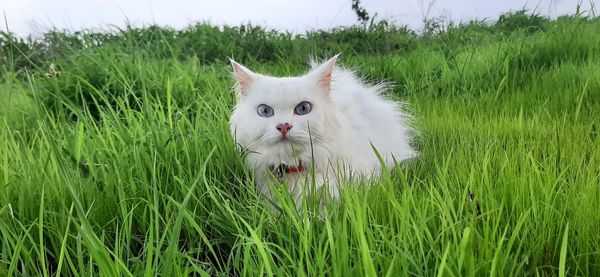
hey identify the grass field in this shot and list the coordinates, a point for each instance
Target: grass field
(116, 159)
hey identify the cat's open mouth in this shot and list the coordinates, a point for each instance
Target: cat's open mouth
(284, 169)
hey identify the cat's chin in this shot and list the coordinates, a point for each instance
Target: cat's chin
(289, 141)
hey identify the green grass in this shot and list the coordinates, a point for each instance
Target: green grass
(122, 163)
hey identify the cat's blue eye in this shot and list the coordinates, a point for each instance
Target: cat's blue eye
(265, 110)
(303, 108)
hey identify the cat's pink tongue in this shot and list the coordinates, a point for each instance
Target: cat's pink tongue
(294, 169)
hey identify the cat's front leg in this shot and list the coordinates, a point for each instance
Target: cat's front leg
(317, 184)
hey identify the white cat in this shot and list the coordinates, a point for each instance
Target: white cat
(327, 120)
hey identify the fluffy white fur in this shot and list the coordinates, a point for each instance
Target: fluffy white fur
(348, 118)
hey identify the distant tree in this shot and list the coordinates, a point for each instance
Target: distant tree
(361, 12)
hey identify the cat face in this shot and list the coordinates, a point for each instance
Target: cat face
(278, 116)
(280, 110)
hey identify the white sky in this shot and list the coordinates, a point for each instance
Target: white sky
(33, 17)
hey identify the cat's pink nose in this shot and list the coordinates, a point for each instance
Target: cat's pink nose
(283, 128)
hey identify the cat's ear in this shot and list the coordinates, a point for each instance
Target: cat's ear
(322, 73)
(243, 76)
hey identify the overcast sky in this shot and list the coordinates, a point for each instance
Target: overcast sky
(27, 17)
